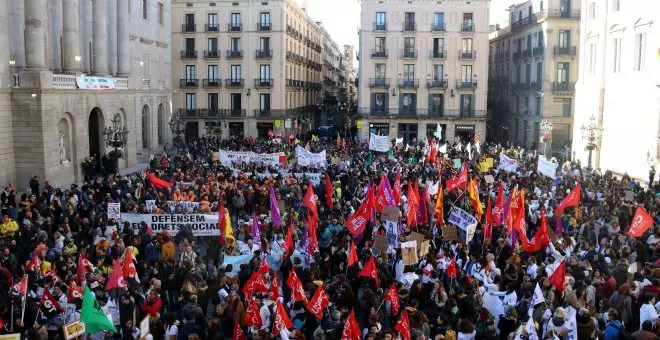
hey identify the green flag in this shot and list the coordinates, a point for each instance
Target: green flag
(92, 316)
(390, 154)
(370, 158)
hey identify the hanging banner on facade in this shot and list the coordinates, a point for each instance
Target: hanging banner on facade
(307, 158)
(227, 158)
(114, 210)
(547, 168)
(198, 224)
(379, 143)
(187, 206)
(95, 83)
(508, 164)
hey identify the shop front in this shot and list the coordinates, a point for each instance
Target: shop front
(263, 129)
(236, 129)
(408, 132)
(379, 129)
(464, 132)
(431, 130)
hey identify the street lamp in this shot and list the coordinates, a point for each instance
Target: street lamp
(546, 127)
(177, 126)
(115, 137)
(592, 134)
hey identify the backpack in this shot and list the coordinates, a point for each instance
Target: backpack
(623, 334)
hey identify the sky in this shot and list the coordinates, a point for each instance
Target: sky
(341, 18)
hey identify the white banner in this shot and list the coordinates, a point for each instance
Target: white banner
(379, 143)
(200, 225)
(306, 158)
(95, 83)
(465, 221)
(187, 206)
(547, 168)
(314, 178)
(229, 157)
(114, 210)
(508, 164)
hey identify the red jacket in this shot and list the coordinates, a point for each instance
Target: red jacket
(152, 305)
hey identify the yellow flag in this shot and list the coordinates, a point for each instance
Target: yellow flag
(440, 206)
(229, 233)
(473, 192)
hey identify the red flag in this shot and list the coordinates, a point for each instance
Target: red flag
(351, 328)
(264, 268)
(75, 292)
(288, 243)
(520, 226)
(571, 200)
(423, 199)
(558, 278)
(128, 267)
(413, 205)
(253, 317)
(517, 206)
(384, 195)
(488, 226)
(451, 269)
(310, 201)
(238, 332)
(313, 245)
(397, 188)
(254, 284)
(281, 320)
(357, 222)
(52, 274)
(21, 286)
(157, 182)
(498, 211)
(116, 283)
(318, 303)
(370, 270)
(275, 288)
(403, 326)
(540, 240)
(640, 223)
(82, 269)
(352, 255)
(48, 306)
(222, 221)
(297, 292)
(393, 297)
(459, 181)
(328, 192)
(34, 264)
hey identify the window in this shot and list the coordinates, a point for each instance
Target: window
(191, 72)
(264, 72)
(564, 39)
(409, 47)
(467, 45)
(212, 45)
(145, 10)
(190, 46)
(235, 20)
(264, 102)
(161, 13)
(528, 73)
(213, 73)
(540, 41)
(235, 102)
(409, 21)
(466, 105)
(537, 106)
(529, 42)
(518, 74)
(616, 60)
(379, 102)
(212, 102)
(562, 107)
(191, 101)
(380, 45)
(439, 21)
(235, 73)
(264, 44)
(381, 71)
(408, 102)
(466, 73)
(591, 62)
(616, 5)
(592, 10)
(438, 73)
(562, 72)
(264, 18)
(436, 102)
(527, 105)
(408, 72)
(235, 45)
(467, 22)
(539, 72)
(640, 50)
(213, 21)
(438, 47)
(381, 21)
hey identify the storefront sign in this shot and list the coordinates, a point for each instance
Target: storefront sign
(307, 158)
(227, 158)
(467, 128)
(200, 225)
(95, 83)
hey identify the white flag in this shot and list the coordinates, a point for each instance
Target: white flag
(443, 148)
(438, 132)
(469, 150)
(531, 329)
(399, 141)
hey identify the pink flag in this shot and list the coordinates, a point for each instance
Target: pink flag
(274, 210)
(256, 231)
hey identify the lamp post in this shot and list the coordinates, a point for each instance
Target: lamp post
(546, 127)
(177, 127)
(592, 134)
(115, 136)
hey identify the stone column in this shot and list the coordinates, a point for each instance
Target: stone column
(123, 59)
(4, 41)
(17, 31)
(54, 36)
(71, 36)
(112, 10)
(35, 44)
(100, 38)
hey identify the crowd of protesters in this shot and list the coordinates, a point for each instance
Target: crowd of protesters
(480, 290)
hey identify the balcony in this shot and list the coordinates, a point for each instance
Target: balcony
(379, 53)
(234, 54)
(268, 113)
(520, 87)
(376, 111)
(435, 112)
(235, 83)
(409, 27)
(436, 84)
(263, 54)
(234, 27)
(517, 56)
(188, 82)
(211, 83)
(470, 113)
(438, 27)
(565, 50)
(408, 54)
(527, 53)
(536, 86)
(467, 54)
(264, 26)
(408, 83)
(212, 54)
(538, 51)
(295, 83)
(438, 54)
(188, 28)
(211, 113)
(563, 87)
(467, 26)
(559, 14)
(186, 54)
(407, 112)
(380, 27)
(462, 84)
(234, 113)
(379, 83)
(211, 27)
(263, 83)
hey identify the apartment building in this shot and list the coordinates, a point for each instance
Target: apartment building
(245, 67)
(619, 86)
(333, 80)
(73, 72)
(423, 63)
(533, 70)
(350, 76)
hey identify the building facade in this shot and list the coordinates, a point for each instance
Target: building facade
(619, 85)
(533, 70)
(350, 76)
(67, 70)
(333, 75)
(423, 63)
(245, 67)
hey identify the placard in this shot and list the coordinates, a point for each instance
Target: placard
(336, 160)
(450, 233)
(483, 167)
(461, 218)
(457, 163)
(409, 253)
(71, 330)
(392, 232)
(418, 238)
(426, 246)
(390, 213)
(379, 143)
(630, 195)
(281, 205)
(144, 327)
(547, 168)
(216, 156)
(381, 243)
(14, 336)
(489, 160)
(114, 210)
(306, 158)
(489, 179)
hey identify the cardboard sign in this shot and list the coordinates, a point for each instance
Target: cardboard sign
(426, 246)
(114, 211)
(418, 238)
(409, 253)
(457, 163)
(281, 205)
(630, 195)
(489, 179)
(73, 330)
(489, 160)
(450, 233)
(144, 327)
(380, 243)
(336, 160)
(390, 213)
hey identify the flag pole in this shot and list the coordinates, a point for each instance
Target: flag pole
(11, 318)
(381, 305)
(24, 300)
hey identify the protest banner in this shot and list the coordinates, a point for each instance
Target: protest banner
(508, 164)
(306, 158)
(392, 232)
(187, 206)
(547, 168)
(198, 224)
(461, 218)
(236, 261)
(71, 330)
(114, 210)
(227, 158)
(379, 143)
(450, 233)
(313, 177)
